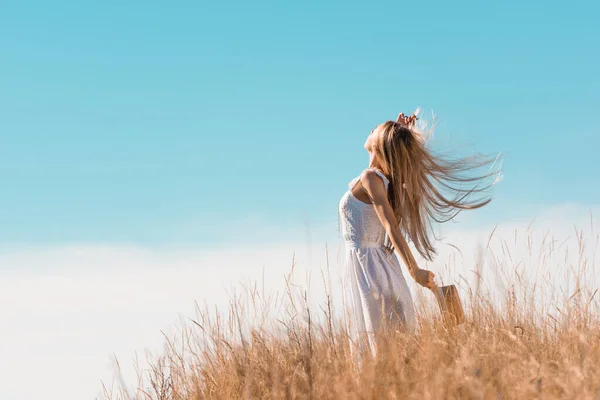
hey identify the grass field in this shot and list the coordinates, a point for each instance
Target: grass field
(534, 338)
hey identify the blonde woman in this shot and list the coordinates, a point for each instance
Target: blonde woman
(403, 191)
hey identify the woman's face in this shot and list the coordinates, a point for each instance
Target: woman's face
(372, 138)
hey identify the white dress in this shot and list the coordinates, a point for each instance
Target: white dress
(375, 289)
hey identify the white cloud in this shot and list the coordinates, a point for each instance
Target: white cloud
(66, 309)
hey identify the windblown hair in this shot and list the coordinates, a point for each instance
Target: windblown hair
(425, 188)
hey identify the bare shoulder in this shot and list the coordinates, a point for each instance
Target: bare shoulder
(372, 181)
(371, 177)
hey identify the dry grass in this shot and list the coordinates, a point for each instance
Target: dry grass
(273, 348)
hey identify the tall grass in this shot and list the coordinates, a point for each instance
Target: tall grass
(535, 337)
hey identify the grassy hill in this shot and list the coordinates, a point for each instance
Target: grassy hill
(512, 348)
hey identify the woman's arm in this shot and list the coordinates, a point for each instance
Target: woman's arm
(375, 189)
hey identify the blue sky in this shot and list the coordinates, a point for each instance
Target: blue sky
(196, 122)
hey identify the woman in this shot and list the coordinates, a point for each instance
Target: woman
(403, 191)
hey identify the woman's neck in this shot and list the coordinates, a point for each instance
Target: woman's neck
(373, 162)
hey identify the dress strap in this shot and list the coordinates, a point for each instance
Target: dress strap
(386, 181)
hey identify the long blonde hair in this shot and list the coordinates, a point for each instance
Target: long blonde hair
(426, 188)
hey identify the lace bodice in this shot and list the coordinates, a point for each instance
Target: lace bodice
(360, 225)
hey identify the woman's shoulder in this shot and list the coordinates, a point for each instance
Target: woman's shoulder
(372, 175)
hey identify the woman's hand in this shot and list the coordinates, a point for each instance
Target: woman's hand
(407, 121)
(424, 278)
